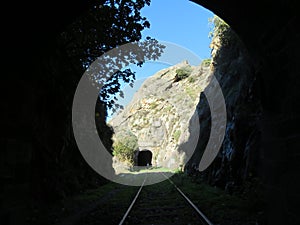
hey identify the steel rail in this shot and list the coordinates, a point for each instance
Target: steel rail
(132, 203)
(201, 214)
(203, 218)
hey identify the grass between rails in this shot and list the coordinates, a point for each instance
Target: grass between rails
(162, 204)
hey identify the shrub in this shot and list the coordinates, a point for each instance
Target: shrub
(183, 73)
(191, 79)
(124, 146)
(222, 30)
(206, 62)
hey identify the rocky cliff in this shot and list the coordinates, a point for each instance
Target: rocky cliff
(165, 113)
(160, 111)
(238, 162)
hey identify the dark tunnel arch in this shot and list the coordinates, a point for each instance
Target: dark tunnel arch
(267, 28)
(144, 158)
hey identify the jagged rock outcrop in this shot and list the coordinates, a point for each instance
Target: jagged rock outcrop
(160, 111)
(238, 158)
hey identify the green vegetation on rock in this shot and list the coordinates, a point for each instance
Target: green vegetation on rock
(206, 62)
(124, 147)
(193, 93)
(222, 31)
(176, 135)
(183, 73)
(168, 108)
(153, 105)
(191, 79)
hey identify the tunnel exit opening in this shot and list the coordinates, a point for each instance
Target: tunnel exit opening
(144, 158)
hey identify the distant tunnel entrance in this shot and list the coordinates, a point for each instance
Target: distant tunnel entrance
(144, 158)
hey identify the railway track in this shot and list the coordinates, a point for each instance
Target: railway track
(163, 205)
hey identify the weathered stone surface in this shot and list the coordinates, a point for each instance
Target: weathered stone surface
(160, 112)
(239, 157)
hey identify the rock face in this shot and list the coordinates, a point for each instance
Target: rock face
(238, 160)
(160, 111)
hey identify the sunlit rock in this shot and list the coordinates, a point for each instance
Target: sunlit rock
(160, 113)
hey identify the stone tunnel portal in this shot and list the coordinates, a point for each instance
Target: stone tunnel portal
(144, 158)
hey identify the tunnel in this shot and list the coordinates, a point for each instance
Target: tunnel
(144, 158)
(268, 30)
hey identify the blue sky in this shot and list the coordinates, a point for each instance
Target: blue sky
(181, 22)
